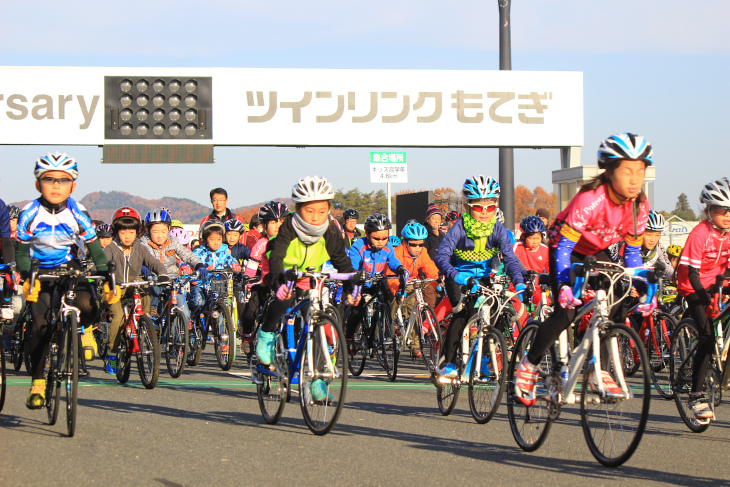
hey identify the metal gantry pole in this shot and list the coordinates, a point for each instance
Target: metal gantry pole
(506, 155)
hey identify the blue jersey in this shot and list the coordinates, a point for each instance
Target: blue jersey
(54, 232)
(372, 261)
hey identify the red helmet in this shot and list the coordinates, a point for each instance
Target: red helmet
(126, 212)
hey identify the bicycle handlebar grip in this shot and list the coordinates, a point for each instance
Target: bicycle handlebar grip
(112, 268)
(34, 265)
(660, 267)
(578, 269)
(356, 291)
(470, 283)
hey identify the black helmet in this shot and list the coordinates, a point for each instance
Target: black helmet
(350, 214)
(376, 222)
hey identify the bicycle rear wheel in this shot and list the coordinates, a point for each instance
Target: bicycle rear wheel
(273, 390)
(681, 364)
(148, 357)
(2, 377)
(223, 336)
(176, 344)
(195, 341)
(388, 348)
(71, 370)
(359, 348)
(613, 426)
(431, 336)
(659, 354)
(487, 385)
(101, 335)
(323, 376)
(530, 425)
(447, 392)
(18, 346)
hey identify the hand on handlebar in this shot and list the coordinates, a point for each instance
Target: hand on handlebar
(566, 298)
(111, 296)
(283, 293)
(647, 308)
(520, 287)
(185, 270)
(236, 267)
(462, 278)
(31, 295)
(203, 273)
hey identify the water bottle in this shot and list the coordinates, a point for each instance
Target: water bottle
(564, 374)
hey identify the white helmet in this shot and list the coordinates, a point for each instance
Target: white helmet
(716, 193)
(56, 162)
(656, 222)
(312, 188)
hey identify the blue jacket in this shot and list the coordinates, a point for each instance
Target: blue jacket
(240, 252)
(220, 259)
(456, 238)
(364, 257)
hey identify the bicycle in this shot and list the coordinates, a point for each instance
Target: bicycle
(624, 414)
(537, 283)
(174, 326)
(717, 380)
(423, 320)
(375, 333)
(314, 357)
(481, 361)
(6, 314)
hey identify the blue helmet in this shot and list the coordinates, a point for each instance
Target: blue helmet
(532, 224)
(234, 225)
(622, 147)
(56, 162)
(160, 215)
(414, 231)
(394, 241)
(480, 187)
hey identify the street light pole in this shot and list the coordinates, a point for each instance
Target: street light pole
(506, 155)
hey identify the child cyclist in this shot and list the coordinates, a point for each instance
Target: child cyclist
(530, 250)
(271, 216)
(129, 254)
(705, 256)
(104, 234)
(609, 208)
(8, 233)
(234, 230)
(467, 251)
(48, 230)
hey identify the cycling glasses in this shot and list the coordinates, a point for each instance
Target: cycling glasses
(51, 181)
(481, 207)
(415, 245)
(723, 210)
(379, 239)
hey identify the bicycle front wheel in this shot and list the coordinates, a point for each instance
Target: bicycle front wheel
(71, 371)
(176, 344)
(2, 377)
(323, 376)
(432, 339)
(388, 348)
(358, 348)
(682, 351)
(486, 385)
(18, 345)
(224, 335)
(659, 354)
(614, 423)
(273, 390)
(148, 357)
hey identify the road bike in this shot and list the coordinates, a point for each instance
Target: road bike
(174, 340)
(421, 325)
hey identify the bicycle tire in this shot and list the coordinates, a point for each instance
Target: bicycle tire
(223, 336)
(358, 350)
(431, 340)
(2, 378)
(148, 357)
(530, 425)
(504, 325)
(447, 394)
(28, 335)
(195, 341)
(18, 348)
(273, 391)
(322, 401)
(53, 385)
(618, 422)
(101, 335)
(659, 354)
(124, 364)
(71, 371)
(684, 337)
(486, 389)
(176, 344)
(388, 348)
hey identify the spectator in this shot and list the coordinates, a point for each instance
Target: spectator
(544, 215)
(433, 224)
(351, 232)
(219, 200)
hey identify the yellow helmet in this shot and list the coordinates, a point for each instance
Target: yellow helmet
(674, 250)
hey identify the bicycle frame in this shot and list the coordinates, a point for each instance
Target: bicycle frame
(415, 317)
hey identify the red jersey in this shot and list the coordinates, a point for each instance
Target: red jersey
(705, 250)
(533, 260)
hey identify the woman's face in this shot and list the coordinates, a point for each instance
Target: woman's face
(628, 178)
(272, 227)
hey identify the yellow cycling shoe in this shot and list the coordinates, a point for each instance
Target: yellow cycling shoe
(37, 397)
(88, 344)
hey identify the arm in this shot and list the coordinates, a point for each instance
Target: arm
(152, 263)
(694, 280)
(632, 251)
(336, 249)
(257, 255)
(428, 266)
(393, 261)
(446, 250)
(512, 264)
(242, 252)
(187, 256)
(98, 256)
(669, 270)
(355, 257)
(278, 252)
(23, 259)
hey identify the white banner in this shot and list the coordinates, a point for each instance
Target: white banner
(308, 107)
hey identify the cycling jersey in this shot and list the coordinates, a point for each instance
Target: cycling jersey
(53, 230)
(373, 261)
(259, 259)
(533, 260)
(705, 250)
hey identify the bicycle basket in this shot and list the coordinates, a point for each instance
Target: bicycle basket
(219, 285)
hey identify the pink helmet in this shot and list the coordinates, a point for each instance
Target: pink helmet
(181, 234)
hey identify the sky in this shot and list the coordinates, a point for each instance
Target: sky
(657, 68)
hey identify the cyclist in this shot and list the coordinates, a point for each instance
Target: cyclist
(609, 208)
(451, 218)
(674, 252)
(530, 250)
(7, 214)
(351, 233)
(14, 214)
(234, 231)
(467, 251)
(181, 235)
(394, 241)
(254, 231)
(705, 256)
(433, 224)
(176, 224)
(104, 234)
(48, 230)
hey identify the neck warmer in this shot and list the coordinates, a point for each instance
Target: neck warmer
(475, 229)
(650, 254)
(308, 234)
(478, 232)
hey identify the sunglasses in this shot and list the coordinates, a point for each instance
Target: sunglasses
(379, 239)
(720, 209)
(51, 181)
(480, 207)
(415, 245)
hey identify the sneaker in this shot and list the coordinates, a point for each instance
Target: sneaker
(37, 397)
(525, 381)
(320, 395)
(88, 344)
(7, 340)
(265, 347)
(609, 385)
(417, 352)
(110, 364)
(246, 345)
(700, 408)
(449, 371)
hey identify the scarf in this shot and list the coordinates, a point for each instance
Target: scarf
(308, 234)
(479, 232)
(476, 229)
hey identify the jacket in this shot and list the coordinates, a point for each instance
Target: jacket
(356, 234)
(413, 264)
(169, 252)
(129, 267)
(432, 242)
(220, 259)
(228, 215)
(240, 252)
(364, 257)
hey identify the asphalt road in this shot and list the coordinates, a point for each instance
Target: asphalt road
(205, 428)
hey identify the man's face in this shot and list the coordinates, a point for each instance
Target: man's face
(350, 224)
(219, 202)
(434, 221)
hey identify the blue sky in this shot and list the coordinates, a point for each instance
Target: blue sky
(658, 68)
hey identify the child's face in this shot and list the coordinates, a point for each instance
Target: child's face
(314, 212)
(720, 216)
(272, 227)
(481, 210)
(651, 238)
(159, 233)
(55, 186)
(127, 236)
(379, 239)
(13, 224)
(533, 241)
(232, 238)
(415, 247)
(214, 242)
(674, 261)
(104, 241)
(628, 178)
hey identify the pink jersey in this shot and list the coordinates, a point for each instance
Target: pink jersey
(258, 259)
(705, 250)
(595, 221)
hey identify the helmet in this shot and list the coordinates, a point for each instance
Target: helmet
(716, 193)
(532, 224)
(126, 212)
(626, 146)
(376, 222)
(208, 226)
(674, 250)
(13, 211)
(394, 241)
(452, 216)
(273, 210)
(656, 222)
(350, 214)
(104, 230)
(234, 225)
(312, 188)
(500, 216)
(182, 235)
(56, 162)
(414, 231)
(176, 224)
(480, 187)
(160, 215)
